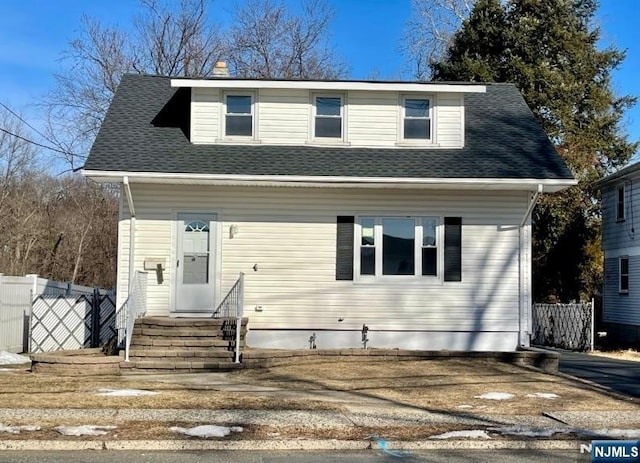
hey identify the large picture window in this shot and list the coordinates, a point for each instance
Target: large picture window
(396, 246)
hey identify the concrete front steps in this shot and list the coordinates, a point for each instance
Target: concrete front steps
(183, 345)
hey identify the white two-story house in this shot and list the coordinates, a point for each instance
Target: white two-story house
(400, 206)
(621, 246)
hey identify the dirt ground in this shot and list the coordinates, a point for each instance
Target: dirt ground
(435, 385)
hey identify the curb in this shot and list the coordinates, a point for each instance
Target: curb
(289, 444)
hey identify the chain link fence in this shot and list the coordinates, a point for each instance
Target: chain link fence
(567, 326)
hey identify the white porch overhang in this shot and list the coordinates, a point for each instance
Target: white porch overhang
(524, 184)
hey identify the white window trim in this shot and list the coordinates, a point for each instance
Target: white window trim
(343, 116)
(378, 239)
(432, 120)
(620, 259)
(254, 118)
(624, 202)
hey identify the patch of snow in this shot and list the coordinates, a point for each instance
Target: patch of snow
(473, 434)
(528, 431)
(495, 396)
(17, 429)
(7, 358)
(544, 395)
(124, 392)
(207, 430)
(464, 406)
(615, 433)
(84, 430)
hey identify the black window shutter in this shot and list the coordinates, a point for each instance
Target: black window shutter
(452, 249)
(344, 248)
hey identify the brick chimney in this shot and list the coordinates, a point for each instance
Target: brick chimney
(220, 69)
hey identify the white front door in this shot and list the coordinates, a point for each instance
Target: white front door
(195, 264)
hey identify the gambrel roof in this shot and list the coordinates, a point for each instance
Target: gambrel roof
(146, 130)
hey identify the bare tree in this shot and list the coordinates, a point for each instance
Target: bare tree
(164, 39)
(180, 39)
(17, 156)
(429, 31)
(268, 41)
(176, 43)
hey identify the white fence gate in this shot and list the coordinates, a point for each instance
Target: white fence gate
(16, 298)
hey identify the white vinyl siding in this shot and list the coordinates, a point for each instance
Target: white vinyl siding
(291, 235)
(205, 115)
(370, 118)
(284, 117)
(450, 121)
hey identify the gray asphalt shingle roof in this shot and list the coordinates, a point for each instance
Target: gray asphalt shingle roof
(146, 130)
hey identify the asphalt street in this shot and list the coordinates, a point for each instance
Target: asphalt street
(618, 375)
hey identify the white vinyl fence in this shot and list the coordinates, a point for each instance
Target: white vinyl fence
(16, 298)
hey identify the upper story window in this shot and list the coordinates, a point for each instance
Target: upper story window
(416, 119)
(620, 203)
(239, 115)
(328, 117)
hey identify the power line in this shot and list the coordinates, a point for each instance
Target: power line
(36, 143)
(66, 153)
(25, 122)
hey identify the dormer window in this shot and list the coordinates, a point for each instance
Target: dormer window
(328, 115)
(416, 119)
(238, 115)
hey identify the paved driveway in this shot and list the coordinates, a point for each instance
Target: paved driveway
(619, 375)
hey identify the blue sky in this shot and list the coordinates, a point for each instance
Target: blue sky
(34, 33)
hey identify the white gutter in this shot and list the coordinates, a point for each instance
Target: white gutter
(532, 204)
(132, 229)
(550, 185)
(424, 87)
(524, 273)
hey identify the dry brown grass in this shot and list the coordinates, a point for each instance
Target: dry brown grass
(149, 430)
(443, 385)
(437, 385)
(29, 390)
(628, 354)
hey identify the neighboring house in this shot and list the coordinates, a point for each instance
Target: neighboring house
(401, 206)
(621, 246)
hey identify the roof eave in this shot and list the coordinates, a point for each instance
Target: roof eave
(622, 173)
(521, 184)
(329, 85)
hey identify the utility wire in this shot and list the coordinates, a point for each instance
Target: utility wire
(66, 153)
(25, 122)
(36, 143)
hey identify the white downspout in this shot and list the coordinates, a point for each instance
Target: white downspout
(132, 230)
(524, 280)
